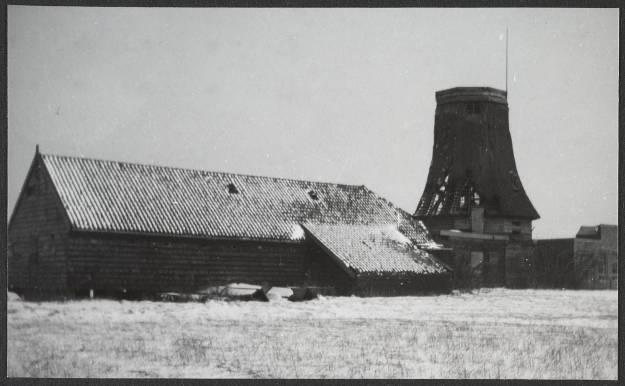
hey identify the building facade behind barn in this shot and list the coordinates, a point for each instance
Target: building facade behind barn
(596, 257)
(473, 201)
(82, 224)
(553, 265)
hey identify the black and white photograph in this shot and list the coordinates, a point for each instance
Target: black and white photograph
(312, 193)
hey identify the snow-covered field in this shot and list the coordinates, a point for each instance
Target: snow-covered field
(494, 333)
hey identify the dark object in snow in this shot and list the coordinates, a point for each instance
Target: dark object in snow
(301, 294)
(183, 298)
(258, 295)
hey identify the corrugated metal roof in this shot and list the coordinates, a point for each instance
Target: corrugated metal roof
(114, 196)
(373, 249)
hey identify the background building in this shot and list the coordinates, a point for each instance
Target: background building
(596, 257)
(553, 263)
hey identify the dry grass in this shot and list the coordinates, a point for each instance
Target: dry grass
(492, 334)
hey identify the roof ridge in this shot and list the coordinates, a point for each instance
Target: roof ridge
(44, 155)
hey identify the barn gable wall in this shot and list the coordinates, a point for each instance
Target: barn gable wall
(37, 236)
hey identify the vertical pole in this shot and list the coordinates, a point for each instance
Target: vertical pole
(506, 61)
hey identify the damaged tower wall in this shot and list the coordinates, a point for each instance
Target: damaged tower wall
(474, 201)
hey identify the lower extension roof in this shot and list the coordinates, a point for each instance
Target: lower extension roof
(373, 249)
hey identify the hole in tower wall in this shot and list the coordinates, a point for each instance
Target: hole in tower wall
(439, 207)
(476, 198)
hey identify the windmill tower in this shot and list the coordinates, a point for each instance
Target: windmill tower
(473, 199)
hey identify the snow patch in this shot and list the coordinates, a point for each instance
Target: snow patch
(394, 234)
(12, 296)
(297, 233)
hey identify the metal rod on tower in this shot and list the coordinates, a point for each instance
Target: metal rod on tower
(506, 62)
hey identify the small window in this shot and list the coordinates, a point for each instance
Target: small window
(313, 195)
(232, 189)
(615, 268)
(516, 223)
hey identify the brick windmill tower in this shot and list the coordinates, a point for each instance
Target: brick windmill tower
(473, 201)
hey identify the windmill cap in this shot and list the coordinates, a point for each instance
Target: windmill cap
(471, 94)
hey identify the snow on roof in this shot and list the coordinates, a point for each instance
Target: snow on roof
(365, 249)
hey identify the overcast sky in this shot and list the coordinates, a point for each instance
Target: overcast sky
(336, 95)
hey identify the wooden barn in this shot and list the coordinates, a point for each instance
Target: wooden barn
(114, 227)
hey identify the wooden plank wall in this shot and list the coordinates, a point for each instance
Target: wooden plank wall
(141, 264)
(37, 237)
(148, 264)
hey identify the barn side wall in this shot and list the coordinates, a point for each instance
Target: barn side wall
(37, 237)
(110, 264)
(107, 262)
